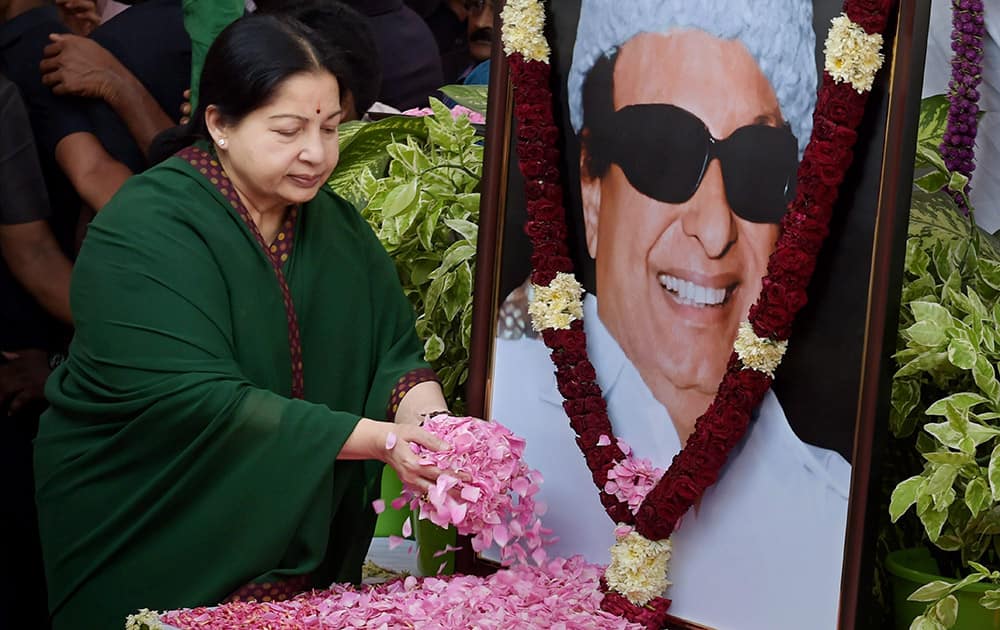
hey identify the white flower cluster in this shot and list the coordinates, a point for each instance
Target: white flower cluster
(852, 55)
(556, 306)
(763, 355)
(145, 619)
(524, 29)
(638, 568)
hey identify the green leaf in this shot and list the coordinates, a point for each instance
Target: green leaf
(979, 433)
(932, 312)
(398, 199)
(926, 333)
(922, 622)
(941, 483)
(956, 459)
(425, 232)
(903, 496)
(989, 271)
(962, 354)
(925, 362)
(931, 592)
(960, 401)
(944, 433)
(933, 120)
(933, 181)
(905, 397)
(917, 260)
(467, 229)
(993, 472)
(457, 253)
(366, 149)
(929, 156)
(472, 96)
(433, 347)
(958, 181)
(990, 600)
(977, 495)
(933, 520)
(946, 611)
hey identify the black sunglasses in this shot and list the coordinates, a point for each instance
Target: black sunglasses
(664, 151)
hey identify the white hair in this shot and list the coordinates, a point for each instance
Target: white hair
(778, 34)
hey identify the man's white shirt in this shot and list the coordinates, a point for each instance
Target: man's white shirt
(763, 548)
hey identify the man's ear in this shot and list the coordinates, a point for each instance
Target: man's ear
(590, 194)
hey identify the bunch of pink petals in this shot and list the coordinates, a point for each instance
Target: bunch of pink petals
(562, 595)
(456, 111)
(631, 479)
(496, 504)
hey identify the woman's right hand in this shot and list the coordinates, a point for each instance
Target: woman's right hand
(404, 461)
(371, 440)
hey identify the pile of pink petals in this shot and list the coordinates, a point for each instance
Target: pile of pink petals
(631, 479)
(496, 504)
(456, 111)
(562, 594)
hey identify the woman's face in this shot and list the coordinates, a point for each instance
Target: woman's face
(281, 153)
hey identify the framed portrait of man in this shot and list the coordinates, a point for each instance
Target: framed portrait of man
(682, 127)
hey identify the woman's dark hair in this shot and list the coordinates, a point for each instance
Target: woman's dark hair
(244, 68)
(347, 31)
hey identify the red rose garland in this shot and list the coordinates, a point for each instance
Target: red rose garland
(839, 110)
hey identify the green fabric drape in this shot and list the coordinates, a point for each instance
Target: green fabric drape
(172, 466)
(204, 20)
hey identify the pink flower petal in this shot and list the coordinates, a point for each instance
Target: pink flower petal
(501, 535)
(378, 505)
(390, 441)
(395, 541)
(471, 493)
(407, 528)
(603, 440)
(398, 503)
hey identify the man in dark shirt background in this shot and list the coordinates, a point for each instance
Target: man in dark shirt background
(34, 330)
(411, 64)
(90, 146)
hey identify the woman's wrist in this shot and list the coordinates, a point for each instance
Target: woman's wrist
(427, 415)
(367, 441)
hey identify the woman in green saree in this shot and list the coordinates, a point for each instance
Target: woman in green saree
(220, 425)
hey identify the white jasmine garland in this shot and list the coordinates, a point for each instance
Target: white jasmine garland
(763, 355)
(557, 305)
(852, 55)
(145, 619)
(524, 29)
(638, 568)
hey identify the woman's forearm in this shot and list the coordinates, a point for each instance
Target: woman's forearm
(424, 398)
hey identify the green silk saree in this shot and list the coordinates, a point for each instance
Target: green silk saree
(173, 466)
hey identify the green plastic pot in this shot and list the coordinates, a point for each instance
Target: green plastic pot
(390, 522)
(431, 543)
(909, 569)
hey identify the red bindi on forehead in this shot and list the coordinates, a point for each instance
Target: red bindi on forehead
(317, 108)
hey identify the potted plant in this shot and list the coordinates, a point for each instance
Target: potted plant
(946, 403)
(416, 181)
